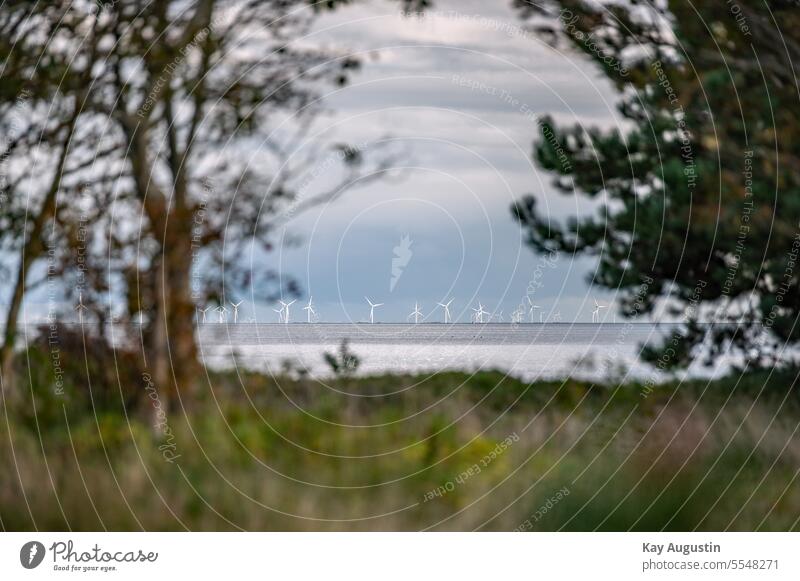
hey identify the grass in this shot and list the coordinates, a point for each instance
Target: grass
(399, 453)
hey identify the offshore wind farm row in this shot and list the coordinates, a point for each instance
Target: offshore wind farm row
(526, 312)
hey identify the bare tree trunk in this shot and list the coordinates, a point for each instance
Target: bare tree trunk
(31, 250)
(10, 332)
(159, 355)
(174, 355)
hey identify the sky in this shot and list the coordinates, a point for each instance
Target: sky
(459, 91)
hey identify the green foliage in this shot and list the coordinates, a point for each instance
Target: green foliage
(344, 363)
(72, 372)
(261, 448)
(700, 186)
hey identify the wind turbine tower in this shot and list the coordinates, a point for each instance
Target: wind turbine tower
(203, 312)
(596, 311)
(236, 311)
(446, 307)
(479, 313)
(309, 308)
(533, 308)
(80, 307)
(416, 314)
(286, 310)
(372, 307)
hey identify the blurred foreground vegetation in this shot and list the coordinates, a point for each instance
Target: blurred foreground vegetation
(290, 453)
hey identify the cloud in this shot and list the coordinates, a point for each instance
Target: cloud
(460, 89)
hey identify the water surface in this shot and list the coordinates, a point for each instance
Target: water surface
(530, 351)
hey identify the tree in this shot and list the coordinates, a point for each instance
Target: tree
(41, 99)
(700, 205)
(199, 110)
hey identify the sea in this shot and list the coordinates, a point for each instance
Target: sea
(529, 351)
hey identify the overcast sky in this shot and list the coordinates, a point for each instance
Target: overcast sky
(459, 91)
(469, 159)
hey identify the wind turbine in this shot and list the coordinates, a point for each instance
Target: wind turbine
(80, 307)
(446, 307)
(222, 310)
(479, 313)
(596, 311)
(533, 307)
(286, 309)
(372, 307)
(309, 308)
(203, 311)
(416, 314)
(236, 311)
(280, 314)
(557, 317)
